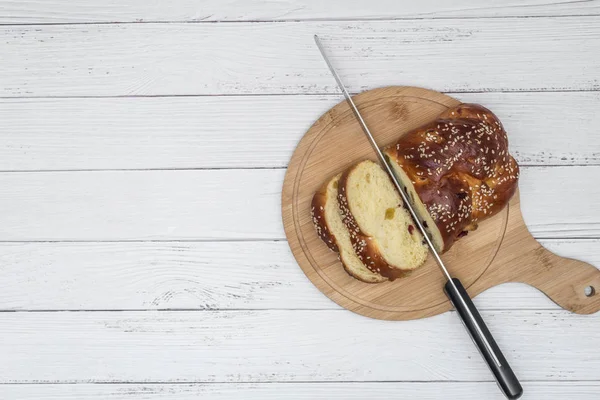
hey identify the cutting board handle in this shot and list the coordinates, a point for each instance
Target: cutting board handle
(574, 285)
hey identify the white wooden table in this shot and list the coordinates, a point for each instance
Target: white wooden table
(142, 151)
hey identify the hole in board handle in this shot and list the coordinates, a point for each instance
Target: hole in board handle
(589, 291)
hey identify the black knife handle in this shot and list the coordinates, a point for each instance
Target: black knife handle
(463, 304)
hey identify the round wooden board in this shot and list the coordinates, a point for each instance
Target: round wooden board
(336, 142)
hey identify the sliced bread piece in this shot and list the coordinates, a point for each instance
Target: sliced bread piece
(382, 231)
(330, 228)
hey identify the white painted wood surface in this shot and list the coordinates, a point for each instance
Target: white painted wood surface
(141, 248)
(232, 204)
(489, 54)
(287, 346)
(298, 391)
(64, 11)
(252, 131)
(169, 275)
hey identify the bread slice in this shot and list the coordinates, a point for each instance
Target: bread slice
(330, 228)
(382, 231)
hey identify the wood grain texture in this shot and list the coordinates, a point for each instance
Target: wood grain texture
(278, 352)
(170, 275)
(63, 11)
(501, 250)
(148, 205)
(206, 132)
(231, 204)
(288, 346)
(298, 391)
(246, 58)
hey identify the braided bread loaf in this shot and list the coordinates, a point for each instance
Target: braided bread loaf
(456, 170)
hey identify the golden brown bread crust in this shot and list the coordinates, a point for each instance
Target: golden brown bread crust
(364, 246)
(380, 278)
(460, 167)
(318, 205)
(317, 211)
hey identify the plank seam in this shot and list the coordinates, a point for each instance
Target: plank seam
(128, 96)
(302, 20)
(232, 240)
(101, 382)
(195, 310)
(249, 240)
(275, 168)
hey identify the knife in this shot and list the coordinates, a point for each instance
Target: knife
(483, 339)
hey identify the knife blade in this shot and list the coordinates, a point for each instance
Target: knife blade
(457, 294)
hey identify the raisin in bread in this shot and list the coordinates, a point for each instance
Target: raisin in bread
(456, 170)
(382, 232)
(328, 222)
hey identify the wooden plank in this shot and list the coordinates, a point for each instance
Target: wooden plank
(270, 58)
(172, 275)
(208, 132)
(283, 345)
(231, 204)
(147, 205)
(298, 391)
(63, 11)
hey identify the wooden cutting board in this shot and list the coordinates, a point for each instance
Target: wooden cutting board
(501, 250)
